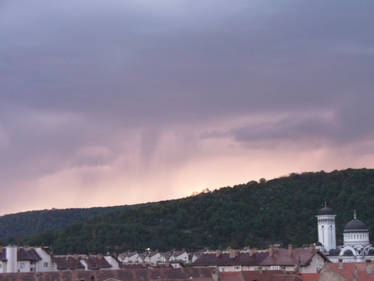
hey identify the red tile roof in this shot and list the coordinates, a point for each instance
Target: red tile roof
(280, 257)
(195, 274)
(95, 262)
(310, 276)
(349, 271)
(224, 259)
(259, 276)
(68, 262)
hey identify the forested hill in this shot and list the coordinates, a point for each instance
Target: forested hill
(21, 224)
(254, 214)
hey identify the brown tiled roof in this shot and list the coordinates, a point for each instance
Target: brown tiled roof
(211, 259)
(24, 254)
(285, 277)
(96, 262)
(310, 276)
(258, 275)
(68, 262)
(282, 257)
(132, 266)
(191, 274)
(2, 254)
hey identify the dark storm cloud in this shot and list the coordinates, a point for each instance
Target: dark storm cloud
(81, 82)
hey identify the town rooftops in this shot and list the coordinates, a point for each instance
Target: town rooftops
(259, 276)
(289, 257)
(224, 259)
(95, 262)
(310, 276)
(68, 262)
(23, 254)
(359, 271)
(191, 274)
(273, 256)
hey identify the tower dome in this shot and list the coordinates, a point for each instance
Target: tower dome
(356, 233)
(325, 211)
(355, 225)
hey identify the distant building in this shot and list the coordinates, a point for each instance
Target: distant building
(356, 241)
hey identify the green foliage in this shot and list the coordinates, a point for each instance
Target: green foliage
(28, 223)
(254, 214)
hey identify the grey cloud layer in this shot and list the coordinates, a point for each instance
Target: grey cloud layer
(77, 78)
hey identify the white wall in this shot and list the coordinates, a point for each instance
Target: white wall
(11, 256)
(45, 264)
(112, 261)
(315, 265)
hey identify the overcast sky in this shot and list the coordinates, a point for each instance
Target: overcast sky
(109, 102)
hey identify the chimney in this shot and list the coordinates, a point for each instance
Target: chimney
(355, 274)
(252, 252)
(233, 253)
(11, 256)
(290, 249)
(218, 253)
(271, 251)
(311, 248)
(215, 275)
(369, 266)
(340, 265)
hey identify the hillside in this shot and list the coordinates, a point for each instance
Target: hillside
(27, 223)
(254, 214)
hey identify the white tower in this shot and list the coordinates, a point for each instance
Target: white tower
(326, 228)
(11, 256)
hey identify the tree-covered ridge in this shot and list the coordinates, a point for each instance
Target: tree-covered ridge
(27, 223)
(254, 214)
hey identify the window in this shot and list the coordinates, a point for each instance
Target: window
(22, 265)
(45, 264)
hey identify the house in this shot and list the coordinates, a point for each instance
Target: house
(154, 258)
(131, 258)
(24, 259)
(181, 256)
(303, 260)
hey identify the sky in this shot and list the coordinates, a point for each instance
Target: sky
(119, 102)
